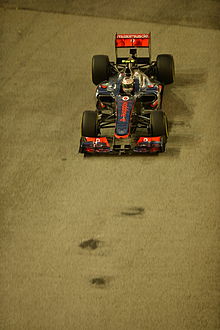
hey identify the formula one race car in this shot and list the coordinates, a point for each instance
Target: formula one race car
(128, 116)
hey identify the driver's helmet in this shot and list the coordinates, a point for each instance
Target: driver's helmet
(127, 85)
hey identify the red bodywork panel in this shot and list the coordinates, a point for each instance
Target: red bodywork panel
(122, 136)
(149, 139)
(132, 40)
(98, 140)
(154, 147)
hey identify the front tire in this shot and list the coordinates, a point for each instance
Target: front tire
(159, 125)
(100, 68)
(89, 124)
(165, 68)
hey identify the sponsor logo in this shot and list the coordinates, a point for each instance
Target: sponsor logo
(124, 110)
(125, 98)
(138, 36)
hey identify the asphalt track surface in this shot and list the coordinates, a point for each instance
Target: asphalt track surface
(107, 242)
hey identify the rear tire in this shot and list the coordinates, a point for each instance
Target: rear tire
(159, 124)
(165, 68)
(100, 68)
(89, 124)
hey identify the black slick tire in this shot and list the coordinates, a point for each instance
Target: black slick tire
(89, 124)
(100, 68)
(165, 68)
(159, 124)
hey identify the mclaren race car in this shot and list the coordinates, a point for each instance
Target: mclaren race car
(128, 116)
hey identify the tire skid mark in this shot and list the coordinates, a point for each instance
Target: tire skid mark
(90, 244)
(100, 282)
(133, 211)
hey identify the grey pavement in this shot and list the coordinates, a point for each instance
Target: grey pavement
(106, 242)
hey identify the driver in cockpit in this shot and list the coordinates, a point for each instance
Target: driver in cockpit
(127, 86)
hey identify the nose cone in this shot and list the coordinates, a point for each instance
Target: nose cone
(124, 105)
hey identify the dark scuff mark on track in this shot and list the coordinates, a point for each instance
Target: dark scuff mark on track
(180, 110)
(100, 282)
(189, 78)
(133, 211)
(90, 244)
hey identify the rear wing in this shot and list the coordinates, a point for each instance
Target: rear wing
(133, 41)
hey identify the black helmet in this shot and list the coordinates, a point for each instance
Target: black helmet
(127, 85)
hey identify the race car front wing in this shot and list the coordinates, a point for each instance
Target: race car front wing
(108, 145)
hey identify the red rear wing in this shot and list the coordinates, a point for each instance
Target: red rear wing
(132, 40)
